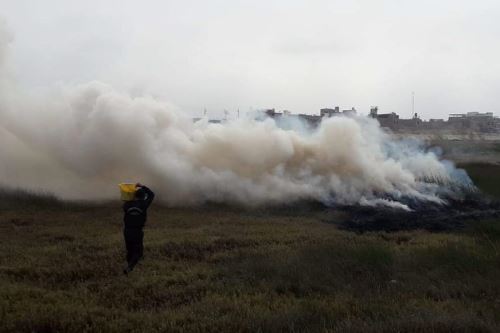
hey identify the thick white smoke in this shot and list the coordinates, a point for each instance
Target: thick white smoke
(80, 142)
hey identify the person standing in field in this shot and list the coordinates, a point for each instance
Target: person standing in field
(134, 220)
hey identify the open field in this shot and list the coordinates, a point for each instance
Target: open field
(486, 177)
(229, 269)
(470, 151)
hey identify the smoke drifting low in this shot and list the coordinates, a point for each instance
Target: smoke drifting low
(79, 142)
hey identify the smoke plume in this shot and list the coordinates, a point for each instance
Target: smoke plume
(79, 142)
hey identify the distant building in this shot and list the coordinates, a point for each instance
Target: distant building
(470, 122)
(456, 123)
(350, 113)
(327, 112)
(311, 119)
(474, 121)
(389, 120)
(271, 113)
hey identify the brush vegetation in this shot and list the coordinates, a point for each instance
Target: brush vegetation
(218, 268)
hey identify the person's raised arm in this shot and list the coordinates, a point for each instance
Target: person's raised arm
(150, 195)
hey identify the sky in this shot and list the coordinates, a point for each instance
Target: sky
(284, 54)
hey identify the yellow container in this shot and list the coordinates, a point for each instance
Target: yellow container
(127, 191)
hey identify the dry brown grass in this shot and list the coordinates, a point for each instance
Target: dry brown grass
(227, 269)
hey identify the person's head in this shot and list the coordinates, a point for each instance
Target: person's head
(140, 194)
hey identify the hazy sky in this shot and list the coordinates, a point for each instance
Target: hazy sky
(296, 55)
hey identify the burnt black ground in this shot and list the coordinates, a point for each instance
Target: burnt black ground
(425, 216)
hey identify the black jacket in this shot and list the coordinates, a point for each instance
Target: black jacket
(136, 210)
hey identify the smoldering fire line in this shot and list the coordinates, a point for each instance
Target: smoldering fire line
(80, 141)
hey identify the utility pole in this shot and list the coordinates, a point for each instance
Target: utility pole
(413, 103)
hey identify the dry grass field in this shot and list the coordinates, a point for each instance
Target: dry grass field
(229, 269)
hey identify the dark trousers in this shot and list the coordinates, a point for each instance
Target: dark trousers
(133, 244)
